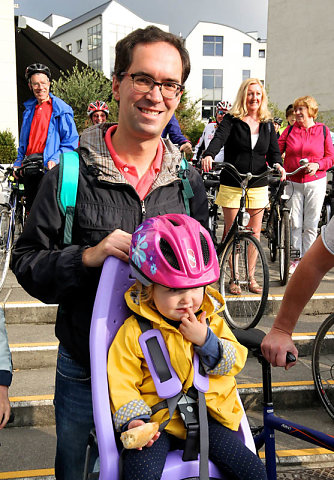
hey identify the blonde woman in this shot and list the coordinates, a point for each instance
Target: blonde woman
(250, 143)
(311, 140)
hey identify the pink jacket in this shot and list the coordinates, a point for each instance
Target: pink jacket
(307, 143)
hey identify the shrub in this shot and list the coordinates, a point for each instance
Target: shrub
(78, 88)
(8, 151)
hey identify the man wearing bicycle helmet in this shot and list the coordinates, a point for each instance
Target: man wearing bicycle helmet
(98, 112)
(127, 173)
(209, 132)
(47, 130)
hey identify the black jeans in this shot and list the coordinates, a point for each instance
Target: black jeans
(31, 184)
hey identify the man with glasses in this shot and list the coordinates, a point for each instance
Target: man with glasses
(48, 129)
(209, 132)
(127, 173)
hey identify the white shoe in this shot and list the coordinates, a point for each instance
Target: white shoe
(293, 266)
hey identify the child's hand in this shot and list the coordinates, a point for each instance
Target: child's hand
(193, 330)
(137, 423)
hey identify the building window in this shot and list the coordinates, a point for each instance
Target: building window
(69, 48)
(247, 50)
(95, 46)
(246, 74)
(212, 46)
(212, 91)
(262, 53)
(79, 46)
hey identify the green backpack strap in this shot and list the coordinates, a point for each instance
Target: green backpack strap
(67, 190)
(187, 191)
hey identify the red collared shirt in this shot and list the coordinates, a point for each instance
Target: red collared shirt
(39, 128)
(129, 172)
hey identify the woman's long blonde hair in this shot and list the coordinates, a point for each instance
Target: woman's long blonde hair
(239, 108)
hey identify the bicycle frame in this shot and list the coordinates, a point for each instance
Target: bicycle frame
(272, 422)
(237, 225)
(282, 204)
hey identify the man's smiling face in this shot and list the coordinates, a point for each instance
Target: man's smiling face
(145, 115)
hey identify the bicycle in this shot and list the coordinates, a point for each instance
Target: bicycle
(327, 210)
(211, 183)
(12, 217)
(238, 251)
(278, 227)
(323, 364)
(265, 435)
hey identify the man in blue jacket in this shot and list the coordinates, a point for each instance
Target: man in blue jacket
(175, 135)
(48, 128)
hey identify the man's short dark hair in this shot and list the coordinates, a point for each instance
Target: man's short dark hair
(151, 34)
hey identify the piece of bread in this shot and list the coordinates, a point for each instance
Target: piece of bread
(139, 436)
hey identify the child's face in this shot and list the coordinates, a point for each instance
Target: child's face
(173, 303)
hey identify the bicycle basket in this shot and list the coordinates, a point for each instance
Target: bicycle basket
(33, 164)
(4, 193)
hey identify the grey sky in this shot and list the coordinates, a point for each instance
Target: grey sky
(180, 15)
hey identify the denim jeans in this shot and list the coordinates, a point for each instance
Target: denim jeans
(74, 417)
(306, 204)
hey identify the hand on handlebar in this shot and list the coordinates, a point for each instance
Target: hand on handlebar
(281, 171)
(207, 163)
(275, 346)
(186, 148)
(312, 168)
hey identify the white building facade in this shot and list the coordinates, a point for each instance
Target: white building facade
(221, 58)
(92, 37)
(8, 88)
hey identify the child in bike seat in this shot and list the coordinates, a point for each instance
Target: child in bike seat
(174, 262)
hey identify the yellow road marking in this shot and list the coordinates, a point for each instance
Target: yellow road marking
(301, 452)
(28, 473)
(276, 384)
(29, 398)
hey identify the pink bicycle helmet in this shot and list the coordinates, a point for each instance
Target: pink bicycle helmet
(173, 250)
(98, 106)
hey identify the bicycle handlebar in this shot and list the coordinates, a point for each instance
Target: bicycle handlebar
(249, 175)
(289, 174)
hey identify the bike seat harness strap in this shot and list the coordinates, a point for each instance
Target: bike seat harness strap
(169, 387)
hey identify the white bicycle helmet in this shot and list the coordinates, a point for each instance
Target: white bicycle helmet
(223, 105)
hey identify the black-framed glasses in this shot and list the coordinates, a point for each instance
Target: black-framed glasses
(144, 84)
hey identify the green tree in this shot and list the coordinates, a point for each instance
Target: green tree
(79, 87)
(189, 118)
(276, 111)
(8, 151)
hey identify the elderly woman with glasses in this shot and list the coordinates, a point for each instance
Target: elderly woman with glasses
(310, 140)
(250, 143)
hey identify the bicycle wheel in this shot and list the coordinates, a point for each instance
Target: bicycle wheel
(6, 241)
(273, 239)
(243, 258)
(323, 364)
(284, 248)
